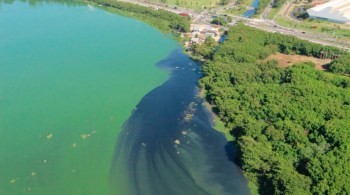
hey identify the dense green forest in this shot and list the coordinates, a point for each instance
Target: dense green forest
(291, 126)
(341, 65)
(164, 20)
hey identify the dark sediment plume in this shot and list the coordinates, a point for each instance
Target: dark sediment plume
(168, 146)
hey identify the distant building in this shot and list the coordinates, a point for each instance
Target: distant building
(212, 35)
(195, 40)
(214, 31)
(196, 29)
(195, 34)
(334, 11)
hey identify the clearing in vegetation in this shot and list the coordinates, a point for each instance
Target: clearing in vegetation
(285, 60)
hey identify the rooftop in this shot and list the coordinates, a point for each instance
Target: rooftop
(335, 9)
(334, 4)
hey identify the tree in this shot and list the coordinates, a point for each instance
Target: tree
(224, 2)
(291, 125)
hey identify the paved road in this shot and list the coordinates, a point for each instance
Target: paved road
(263, 23)
(271, 26)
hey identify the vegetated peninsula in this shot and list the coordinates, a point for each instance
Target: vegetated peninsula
(163, 20)
(291, 124)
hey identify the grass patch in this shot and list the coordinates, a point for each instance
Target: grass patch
(273, 12)
(218, 124)
(254, 190)
(317, 26)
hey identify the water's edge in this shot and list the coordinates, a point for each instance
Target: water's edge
(168, 145)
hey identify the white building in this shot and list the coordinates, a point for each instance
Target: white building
(334, 11)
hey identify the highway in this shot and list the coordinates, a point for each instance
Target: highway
(271, 26)
(263, 23)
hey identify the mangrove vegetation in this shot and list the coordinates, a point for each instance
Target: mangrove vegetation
(161, 19)
(291, 125)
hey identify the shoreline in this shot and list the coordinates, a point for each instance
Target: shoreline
(161, 19)
(217, 124)
(165, 125)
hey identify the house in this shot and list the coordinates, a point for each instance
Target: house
(195, 40)
(212, 35)
(196, 29)
(216, 32)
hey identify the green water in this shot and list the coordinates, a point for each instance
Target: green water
(69, 77)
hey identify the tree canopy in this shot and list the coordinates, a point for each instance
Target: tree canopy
(291, 125)
(341, 65)
(162, 19)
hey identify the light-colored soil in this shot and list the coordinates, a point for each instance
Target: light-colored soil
(285, 60)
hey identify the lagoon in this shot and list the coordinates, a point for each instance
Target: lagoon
(95, 103)
(69, 71)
